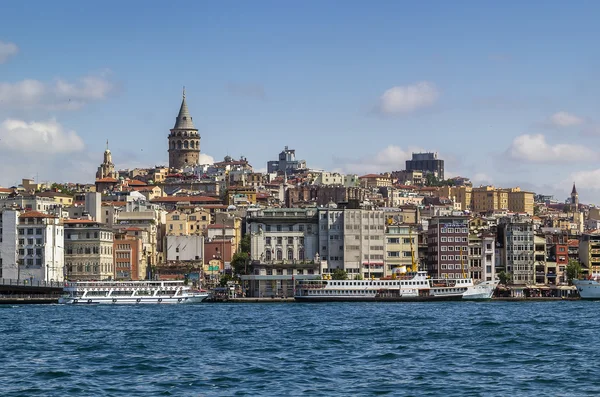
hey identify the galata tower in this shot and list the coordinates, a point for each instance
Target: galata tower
(184, 140)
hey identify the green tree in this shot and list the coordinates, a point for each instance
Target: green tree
(239, 262)
(358, 277)
(245, 244)
(225, 279)
(573, 270)
(504, 277)
(339, 274)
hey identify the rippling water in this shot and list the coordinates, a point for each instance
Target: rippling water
(401, 349)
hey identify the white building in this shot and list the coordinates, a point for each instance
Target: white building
(40, 247)
(283, 235)
(88, 250)
(325, 178)
(9, 220)
(185, 248)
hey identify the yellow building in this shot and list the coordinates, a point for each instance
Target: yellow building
(458, 194)
(398, 250)
(187, 222)
(243, 195)
(520, 201)
(489, 198)
(375, 180)
(58, 197)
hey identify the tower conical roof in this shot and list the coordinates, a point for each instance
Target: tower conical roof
(184, 120)
(574, 191)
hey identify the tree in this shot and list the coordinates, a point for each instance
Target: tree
(225, 279)
(358, 277)
(245, 244)
(573, 270)
(339, 274)
(239, 262)
(504, 277)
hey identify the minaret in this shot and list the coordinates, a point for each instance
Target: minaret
(574, 198)
(184, 140)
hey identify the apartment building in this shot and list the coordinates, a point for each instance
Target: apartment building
(447, 246)
(516, 237)
(401, 248)
(88, 250)
(40, 247)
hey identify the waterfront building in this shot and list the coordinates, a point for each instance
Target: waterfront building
(589, 252)
(283, 244)
(40, 247)
(182, 248)
(364, 245)
(447, 246)
(88, 250)
(184, 140)
(9, 249)
(482, 256)
(426, 162)
(399, 249)
(286, 164)
(540, 258)
(515, 235)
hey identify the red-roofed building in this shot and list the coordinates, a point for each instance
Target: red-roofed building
(375, 180)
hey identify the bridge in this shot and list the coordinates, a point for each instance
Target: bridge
(14, 291)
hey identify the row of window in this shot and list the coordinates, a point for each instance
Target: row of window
(396, 240)
(452, 239)
(89, 267)
(452, 257)
(289, 228)
(396, 254)
(453, 267)
(452, 248)
(279, 240)
(89, 250)
(281, 272)
(279, 254)
(454, 230)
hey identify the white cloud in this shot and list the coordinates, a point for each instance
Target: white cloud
(392, 158)
(7, 50)
(564, 119)
(59, 94)
(535, 149)
(205, 159)
(584, 180)
(481, 178)
(409, 98)
(48, 137)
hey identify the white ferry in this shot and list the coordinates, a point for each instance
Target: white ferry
(130, 292)
(588, 288)
(411, 286)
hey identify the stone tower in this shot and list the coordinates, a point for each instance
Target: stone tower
(574, 198)
(107, 168)
(184, 141)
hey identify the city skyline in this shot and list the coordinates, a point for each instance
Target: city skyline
(505, 95)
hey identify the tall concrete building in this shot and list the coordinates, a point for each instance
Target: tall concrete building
(448, 246)
(516, 241)
(426, 162)
(184, 140)
(286, 164)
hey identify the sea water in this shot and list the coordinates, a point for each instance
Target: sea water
(279, 349)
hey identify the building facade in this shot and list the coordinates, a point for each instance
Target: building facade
(426, 162)
(447, 246)
(286, 164)
(40, 247)
(401, 248)
(88, 250)
(517, 236)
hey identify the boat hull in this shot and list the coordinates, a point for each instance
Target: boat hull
(189, 299)
(588, 289)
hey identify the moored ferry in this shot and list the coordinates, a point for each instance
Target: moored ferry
(588, 288)
(130, 292)
(411, 286)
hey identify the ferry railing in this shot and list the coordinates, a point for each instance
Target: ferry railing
(29, 296)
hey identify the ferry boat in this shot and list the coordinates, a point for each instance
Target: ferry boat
(130, 292)
(588, 288)
(411, 286)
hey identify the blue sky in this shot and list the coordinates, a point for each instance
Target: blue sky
(506, 92)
